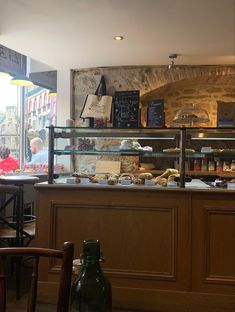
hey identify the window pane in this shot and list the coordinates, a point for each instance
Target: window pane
(40, 112)
(9, 126)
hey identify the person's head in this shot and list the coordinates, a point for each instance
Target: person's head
(4, 152)
(36, 145)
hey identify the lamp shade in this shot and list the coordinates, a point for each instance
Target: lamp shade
(21, 81)
(52, 93)
(4, 74)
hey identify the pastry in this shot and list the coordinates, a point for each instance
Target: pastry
(97, 177)
(177, 150)
(137, 180)
(145, 176)
(172, 177)
(169, 172)
(161, 181)
(130, 145)
(126, 176)
(80, 175)
(112, 180)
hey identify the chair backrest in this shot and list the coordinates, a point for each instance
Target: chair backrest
(66, 256)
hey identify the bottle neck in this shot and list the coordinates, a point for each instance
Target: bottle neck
(90, 263)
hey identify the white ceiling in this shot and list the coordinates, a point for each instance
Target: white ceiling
(78, 33)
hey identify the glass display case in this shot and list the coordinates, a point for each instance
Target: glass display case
(193, 151)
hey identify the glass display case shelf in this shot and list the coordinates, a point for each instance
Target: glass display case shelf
(210, 133)
(144, 153)
(179, 152)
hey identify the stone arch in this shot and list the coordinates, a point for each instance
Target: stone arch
(143, 78)
(202, 91)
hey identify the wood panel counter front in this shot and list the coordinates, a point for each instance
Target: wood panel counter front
(165, 249)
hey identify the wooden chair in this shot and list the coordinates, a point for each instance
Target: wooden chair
(66, 255)
(16, 229)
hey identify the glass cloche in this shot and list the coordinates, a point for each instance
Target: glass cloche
(191, 115)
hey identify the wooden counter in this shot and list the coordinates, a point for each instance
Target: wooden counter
(165, 249)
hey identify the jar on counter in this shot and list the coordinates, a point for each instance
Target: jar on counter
(204, 164)
(219, 166)
(226, 166)
(211, 165)
(232, 167)
(197, 165)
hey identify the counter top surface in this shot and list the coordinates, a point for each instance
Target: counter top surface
(195, 186)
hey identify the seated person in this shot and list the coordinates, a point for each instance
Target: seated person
(39, 155)
(7, 163)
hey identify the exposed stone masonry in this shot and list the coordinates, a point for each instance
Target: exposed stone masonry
(183, 86)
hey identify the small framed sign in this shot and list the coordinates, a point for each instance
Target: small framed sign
(126, 109)
(155, 113)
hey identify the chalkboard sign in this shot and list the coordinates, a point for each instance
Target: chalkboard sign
(126, 109)
(155, 113)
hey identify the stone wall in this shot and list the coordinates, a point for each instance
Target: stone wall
(180, 87)
(200, 85)
(200, 92)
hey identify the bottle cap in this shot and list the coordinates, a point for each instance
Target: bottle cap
(91, 248)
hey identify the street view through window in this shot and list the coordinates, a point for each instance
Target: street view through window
(24, 118)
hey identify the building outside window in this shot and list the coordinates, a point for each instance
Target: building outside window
(39, 111)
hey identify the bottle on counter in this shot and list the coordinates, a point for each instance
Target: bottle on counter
(211, 165)
(219, 166)
(232, 167)
(204, 165)
(226, 166)
(197, 165)
(92, 290)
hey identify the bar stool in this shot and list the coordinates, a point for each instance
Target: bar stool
(25, 229)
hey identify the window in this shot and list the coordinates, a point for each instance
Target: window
(16, 128)
(9, 124)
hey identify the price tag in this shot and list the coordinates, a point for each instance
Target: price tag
(149, 182)
(103, 181)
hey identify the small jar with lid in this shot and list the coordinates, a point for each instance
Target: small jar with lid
(219, 166)
(232, 167)
(211, 165)
(204, 164)
(226, 166)
(197, 165)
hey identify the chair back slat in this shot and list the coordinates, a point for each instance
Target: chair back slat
(33, 288)
(65, 278)
(66, 255)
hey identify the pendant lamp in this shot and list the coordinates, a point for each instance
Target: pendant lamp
(21, 81)
(4, 74)
(52, 92)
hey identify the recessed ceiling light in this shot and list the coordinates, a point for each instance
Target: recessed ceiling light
(118, 38)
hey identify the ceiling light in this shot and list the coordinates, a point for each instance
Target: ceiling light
(52, 93)
(4, 74)
(21, 81)
(173, 57)
(118, 38)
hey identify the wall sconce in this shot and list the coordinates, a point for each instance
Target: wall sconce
(173, 57)
(21, 81)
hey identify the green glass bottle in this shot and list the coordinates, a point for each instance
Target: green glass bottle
(91, 292)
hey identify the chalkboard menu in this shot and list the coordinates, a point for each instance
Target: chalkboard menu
(126, 109)
(155, 113)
